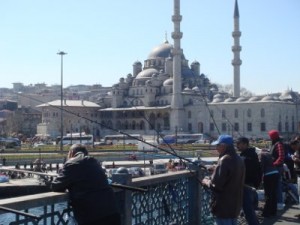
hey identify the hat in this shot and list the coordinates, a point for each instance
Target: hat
(273, 134)
(243, 140)
(223, 139)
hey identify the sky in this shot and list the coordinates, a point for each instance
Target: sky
(103, 39)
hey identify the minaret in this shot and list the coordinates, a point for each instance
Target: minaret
(236, 49)
(177, 111)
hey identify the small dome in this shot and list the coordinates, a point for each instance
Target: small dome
(195, 63)
(254, 99)
(287, 95)
(241, 99)
(267, 98)
(229, 100)
(137, 63)
(216, 100)
(147, 73)
(187, 89)
(168, 82)
(196, 89)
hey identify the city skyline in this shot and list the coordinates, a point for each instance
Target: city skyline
(103, 40)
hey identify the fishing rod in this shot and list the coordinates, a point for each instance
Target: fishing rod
(20, 213)
(45, 175)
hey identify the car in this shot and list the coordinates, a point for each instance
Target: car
(136, 172)
(158, 168)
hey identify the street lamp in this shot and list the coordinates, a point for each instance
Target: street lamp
(61, 53)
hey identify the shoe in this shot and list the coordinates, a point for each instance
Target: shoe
(298, 216)
(280, 206)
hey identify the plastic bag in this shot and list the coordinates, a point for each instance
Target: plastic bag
(70, 220)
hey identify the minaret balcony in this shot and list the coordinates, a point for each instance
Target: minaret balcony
(236, 62)
(236, 48)
(236, 33)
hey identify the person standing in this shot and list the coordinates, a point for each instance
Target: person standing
(227, 182)
(270, 181)
(253, 178)
(92, 199)
(278, 154)
(295, 144)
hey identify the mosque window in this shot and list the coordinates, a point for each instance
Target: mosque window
(190, 127)
(211, 126)
(249, 127)
(236, 113)
(279, 126)
(262, 113)
(189, 114)
(286, 126)
(249, 113)
(141, 91)
(223, 113)
(236, 127)
(137, 91)
(263, 126)
(133, 125)
(142, 125)
(224, 126)
(133, 92)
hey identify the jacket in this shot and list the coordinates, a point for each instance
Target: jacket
(253, 174)
(90, 195)
(227, 185)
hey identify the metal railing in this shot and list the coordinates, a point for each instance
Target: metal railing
(175, 197)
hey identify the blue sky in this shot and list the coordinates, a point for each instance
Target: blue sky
(104, 38)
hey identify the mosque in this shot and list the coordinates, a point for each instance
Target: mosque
(168, 95)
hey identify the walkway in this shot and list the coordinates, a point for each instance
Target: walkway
(285, 217)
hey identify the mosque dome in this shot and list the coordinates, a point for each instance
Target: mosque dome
(187, 89)
(254, 99)
(168, 82)
(161, 51)
(229, 100)
(267, 98)
(196, 88)
(241, 99)
(147, 73)
(287, 95)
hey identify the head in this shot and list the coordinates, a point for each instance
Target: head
(77, 148)
(222, 143)
(274, 135)
(294, 144)
(242, 143)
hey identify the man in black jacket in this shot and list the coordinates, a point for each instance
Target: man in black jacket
(253, 178)
(91, 197)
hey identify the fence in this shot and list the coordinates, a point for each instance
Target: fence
(175, 197)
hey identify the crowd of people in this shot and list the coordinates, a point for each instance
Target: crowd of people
(236, 177)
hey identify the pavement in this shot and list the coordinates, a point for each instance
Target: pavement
(284, 217)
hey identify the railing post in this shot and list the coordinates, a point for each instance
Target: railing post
(125, 179)
(195, 191)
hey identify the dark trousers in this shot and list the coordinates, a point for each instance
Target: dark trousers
(270, 188)
(114, 219)
(249, 204)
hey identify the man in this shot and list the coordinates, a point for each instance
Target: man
(227, 182)
(295, 144)
(278, 154)
(91, 197)
(253, 178)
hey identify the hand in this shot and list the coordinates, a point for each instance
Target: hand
(206, 182)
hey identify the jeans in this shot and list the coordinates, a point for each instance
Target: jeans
(249, 201)
(298, 185)
(221, 221)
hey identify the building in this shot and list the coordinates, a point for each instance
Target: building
(167, 95)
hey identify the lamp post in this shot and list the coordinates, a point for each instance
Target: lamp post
(61, 53)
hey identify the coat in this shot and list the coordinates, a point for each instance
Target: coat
(90, 195)
(227, 184)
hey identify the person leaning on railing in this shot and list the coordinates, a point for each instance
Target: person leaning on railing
(91, 197)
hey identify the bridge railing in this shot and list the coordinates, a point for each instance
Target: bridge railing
(176, 197)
